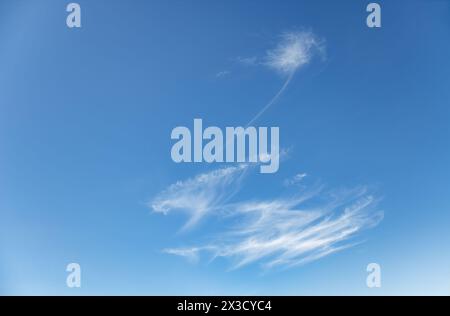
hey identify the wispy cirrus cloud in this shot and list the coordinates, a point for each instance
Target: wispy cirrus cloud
(279, 232)
(201, 195)
(293, 51)
(286, 232)
(295, 179)
(223, 73)
(248, 61)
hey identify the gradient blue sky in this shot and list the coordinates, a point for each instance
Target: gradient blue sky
(86, 116)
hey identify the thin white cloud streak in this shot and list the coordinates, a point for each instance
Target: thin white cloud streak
(223, 73)
(282, 232)
(295, 179)
(294, 51)
(200, 195)
(271, 102)
(191, 254)
(247, 61)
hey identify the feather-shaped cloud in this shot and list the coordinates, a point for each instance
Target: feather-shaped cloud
(295, 50)
(286, 231)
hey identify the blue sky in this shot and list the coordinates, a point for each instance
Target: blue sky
(85, 122)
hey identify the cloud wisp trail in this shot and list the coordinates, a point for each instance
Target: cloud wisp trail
(272, 101)
(295, 50)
